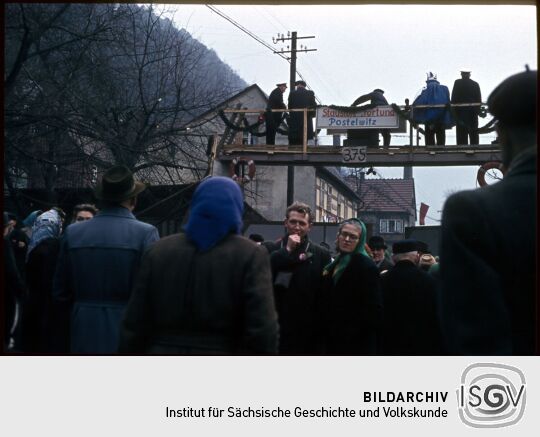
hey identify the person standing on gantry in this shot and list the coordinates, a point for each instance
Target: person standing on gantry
(301, 98)
(435, 119)
(273, 119)
(466, 90)
(376, 98)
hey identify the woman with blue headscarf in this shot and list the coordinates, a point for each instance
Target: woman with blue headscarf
(352, 299)
(207, 291)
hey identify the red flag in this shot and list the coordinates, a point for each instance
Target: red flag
(423, 211)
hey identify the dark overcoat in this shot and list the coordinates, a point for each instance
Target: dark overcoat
(411, 325)
(214, 302)
(297, 289)
(96, 268)
(37, 308)
(351, 309)
(466, 90)
(275, 101)
(488, 265)
(301, 98)
(384, 265)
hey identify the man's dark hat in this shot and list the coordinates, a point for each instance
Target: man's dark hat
(378, 90)
(513, 102)
(422, 247)
(376, 242)
(118, 184)
(300, 82)
(281, 84)
(258, 238)
(404, 246)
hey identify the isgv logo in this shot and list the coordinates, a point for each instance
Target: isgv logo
(491, 395)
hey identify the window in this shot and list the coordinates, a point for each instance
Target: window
(391, 226)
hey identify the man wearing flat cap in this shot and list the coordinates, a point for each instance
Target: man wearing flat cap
(97, 264)
(488, 291)
(411, 325)
(301, 98)
(273, 119)
(466, 90)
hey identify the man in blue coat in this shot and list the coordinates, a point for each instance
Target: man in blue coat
(97, 264)
(437, 119)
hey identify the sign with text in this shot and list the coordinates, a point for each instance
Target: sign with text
(354, 154)
(380, 117)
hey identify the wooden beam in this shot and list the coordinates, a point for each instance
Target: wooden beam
(397, 156)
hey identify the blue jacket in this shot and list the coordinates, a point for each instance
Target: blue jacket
(433, 94)
(94, 276)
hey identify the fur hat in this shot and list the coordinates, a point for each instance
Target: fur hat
(427, 259)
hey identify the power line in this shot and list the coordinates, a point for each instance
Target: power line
(246, 31)
(256, 38)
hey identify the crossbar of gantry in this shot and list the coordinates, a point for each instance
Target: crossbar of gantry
(398, 156)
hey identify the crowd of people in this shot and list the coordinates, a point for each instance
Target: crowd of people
(430, 108)
(107, 283)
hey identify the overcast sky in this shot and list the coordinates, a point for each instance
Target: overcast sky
(362, 47)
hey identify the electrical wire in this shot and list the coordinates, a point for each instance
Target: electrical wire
(259, 40)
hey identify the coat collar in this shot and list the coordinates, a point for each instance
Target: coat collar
(115, 211)
(524, 162)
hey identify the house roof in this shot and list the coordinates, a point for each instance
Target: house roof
(388, 195)
(226, 103)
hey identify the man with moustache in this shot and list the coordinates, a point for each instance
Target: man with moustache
(297, 266)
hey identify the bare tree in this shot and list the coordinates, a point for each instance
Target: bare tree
(92, 85)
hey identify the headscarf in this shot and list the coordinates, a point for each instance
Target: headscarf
(216, 211)
(47, 225)
(342, 260)
(29, 221)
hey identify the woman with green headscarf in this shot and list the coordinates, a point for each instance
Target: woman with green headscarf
(352, 299)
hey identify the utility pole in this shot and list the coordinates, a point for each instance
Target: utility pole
(293, 37)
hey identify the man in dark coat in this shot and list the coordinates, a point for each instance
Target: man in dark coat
(297, 266)
(97, 264)
(488, 246)
(378, 249)
(298, 99)
(411, 325)
(273, 119)
(466, 90)
(207, 291)
(375, 98)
